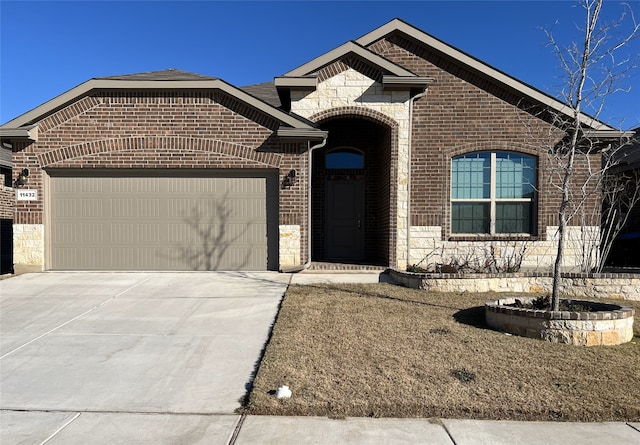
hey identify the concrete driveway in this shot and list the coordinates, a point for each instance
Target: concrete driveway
(144, 345)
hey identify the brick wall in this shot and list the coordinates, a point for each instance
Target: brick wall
(153, 130)
(464, 112)
(161, 130)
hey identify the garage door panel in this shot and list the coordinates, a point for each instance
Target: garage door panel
(71, 233)
(135, 208)
(132, 257)
(91, 257)
(216, 235)
(159, 223)
(137, 233)
(72, 208)
(237, 258)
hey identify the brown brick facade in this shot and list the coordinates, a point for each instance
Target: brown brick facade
(462, 113)
(188, 130)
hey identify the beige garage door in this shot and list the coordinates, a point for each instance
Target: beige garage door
(165, 222)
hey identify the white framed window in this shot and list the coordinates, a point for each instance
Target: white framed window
(493, 192)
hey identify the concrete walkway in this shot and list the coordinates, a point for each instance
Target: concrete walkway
(81, 428)
(164, 358)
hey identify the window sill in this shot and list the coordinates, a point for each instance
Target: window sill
(485, 237)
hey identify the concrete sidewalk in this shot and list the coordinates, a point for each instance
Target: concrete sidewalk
(81, 428)
(314, 430)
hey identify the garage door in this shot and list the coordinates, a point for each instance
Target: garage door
(164, 222)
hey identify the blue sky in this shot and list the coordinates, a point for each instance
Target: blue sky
(49, 47)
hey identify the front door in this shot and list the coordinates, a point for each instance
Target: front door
(344, 222)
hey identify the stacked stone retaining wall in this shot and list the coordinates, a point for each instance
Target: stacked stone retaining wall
(606, 325)
(619, 286)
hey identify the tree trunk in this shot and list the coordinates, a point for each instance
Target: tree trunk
(555, 300)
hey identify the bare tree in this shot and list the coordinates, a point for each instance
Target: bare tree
(592, 70)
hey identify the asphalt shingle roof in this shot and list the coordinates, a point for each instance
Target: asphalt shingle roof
(264, 91)
(170, 74)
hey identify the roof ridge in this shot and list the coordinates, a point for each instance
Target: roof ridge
(166, 74)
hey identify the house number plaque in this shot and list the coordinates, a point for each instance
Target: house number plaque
(26, 195)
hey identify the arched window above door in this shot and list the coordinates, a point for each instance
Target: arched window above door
(344, 159)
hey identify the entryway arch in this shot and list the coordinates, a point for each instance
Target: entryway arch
(354, 192)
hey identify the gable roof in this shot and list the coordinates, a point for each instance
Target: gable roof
(349, 48)
(305, 76)
(469, 62)
(274, 98)
(291, 125)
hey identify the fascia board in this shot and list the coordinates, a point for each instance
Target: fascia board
(110, 84)
(30, 133)
(304, 82)
(406, 82)
(608, 134)
(383, 31)
(341, 51)
(302, 133)
(50, 106)
(478, 66)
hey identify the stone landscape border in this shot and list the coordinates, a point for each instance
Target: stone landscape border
(619, 286)
(607, 325)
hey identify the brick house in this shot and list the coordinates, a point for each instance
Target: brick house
(387, 150)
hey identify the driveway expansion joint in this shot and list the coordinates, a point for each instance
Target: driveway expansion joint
(56, 432)
(236, 430)
(638, 430)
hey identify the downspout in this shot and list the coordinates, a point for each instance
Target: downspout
(306, 265)
(411, 103)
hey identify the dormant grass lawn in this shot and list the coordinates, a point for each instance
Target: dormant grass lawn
(386, 351)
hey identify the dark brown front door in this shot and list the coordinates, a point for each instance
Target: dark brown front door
(344, 223)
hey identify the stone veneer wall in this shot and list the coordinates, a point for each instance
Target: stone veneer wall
(28, 245)
(290, 245)
(427, 249)
(605, 285)
(351, 88)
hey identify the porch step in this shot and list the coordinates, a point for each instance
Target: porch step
(325, 267)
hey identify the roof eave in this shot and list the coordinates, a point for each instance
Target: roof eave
(312, 134)
(609, 135)
(92, 85)
(29, 133)
(301, 82)
(413, 83)
(284, 85)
